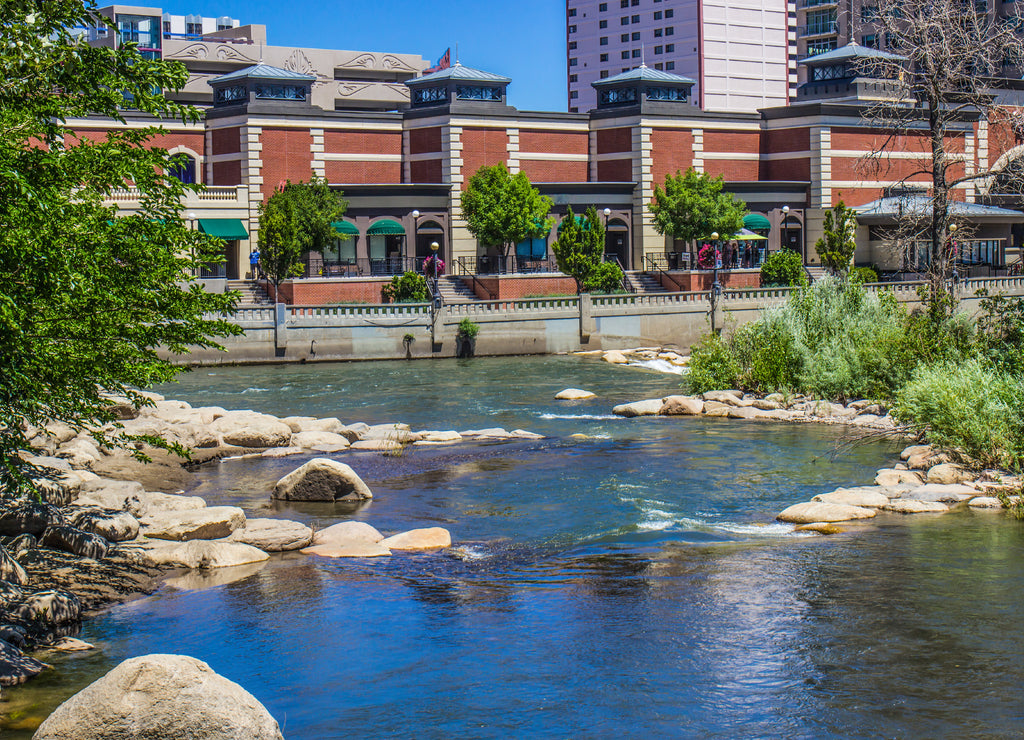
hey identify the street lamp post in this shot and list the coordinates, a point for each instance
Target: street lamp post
(434, 246)
(716, 289)
(607, 212)
(785, 227)
(953, 256)
(415, 235)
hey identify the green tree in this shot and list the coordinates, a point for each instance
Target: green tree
(297, 220)
(579, 251)
(502, 210)
(90, 300)
(783, 268)
(693, 206)
(837, 246)
(408, 288)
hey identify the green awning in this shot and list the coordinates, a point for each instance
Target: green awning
(580, 221)
(757, 222)
(345, 228)
(387, 226)
(228, 229)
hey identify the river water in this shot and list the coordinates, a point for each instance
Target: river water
(629, 583)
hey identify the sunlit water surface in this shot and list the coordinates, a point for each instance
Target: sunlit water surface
(629, 583)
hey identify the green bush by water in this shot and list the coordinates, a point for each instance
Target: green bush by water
(783, 268)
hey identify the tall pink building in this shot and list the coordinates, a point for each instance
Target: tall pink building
(740, 53)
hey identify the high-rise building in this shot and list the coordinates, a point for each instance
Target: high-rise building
(741, 54)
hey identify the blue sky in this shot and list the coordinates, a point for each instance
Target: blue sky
(524, 40)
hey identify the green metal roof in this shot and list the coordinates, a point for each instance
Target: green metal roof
(921, 206)
(756, 221)
(263, 72)
(851, 52)
(457, 72)
(224, 228)
(387, 226)
(345, 228)
(643, 73)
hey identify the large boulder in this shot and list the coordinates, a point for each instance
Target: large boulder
(312, 439)
(197, 554)
(681, 406)
(115, 526)
(573, 394)
(946, 494)
(29, 518)
(210, 523)
(948, 474)
(321, 479)
(731, 397)
(10, 569)
(819, 511)
(867, 497)
(891, 477)
(16, 667)
(163, 473)
(273, 535)
(249, 429)
(647, 407)
(49, 608)
(345, 533)
(172, 697)
(429, 538)
(911, 506)
(71, 539)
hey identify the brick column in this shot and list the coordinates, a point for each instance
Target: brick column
(645, 237)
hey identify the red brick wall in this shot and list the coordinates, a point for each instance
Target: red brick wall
(614, 140)
(786, 140)
(363, 172)
(747, 142)
(482, 147)
(554, 142)
(866, 140)
(671, 151)
(426, 170)
(286, 156)
(703, 279)
(511, 287)
(320, 292)
(227, 173)
(732, 169)
(615, 170)
(226, 140)
(363, 142)
(856, 196)
(785, 169)
(424, 140)
(547, 171)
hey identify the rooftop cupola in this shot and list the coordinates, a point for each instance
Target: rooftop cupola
(651, 89)
(851, 71)
(460, 87)
(262, 83)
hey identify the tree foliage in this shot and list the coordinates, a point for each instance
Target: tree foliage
(837, 246)
(693, 206)
(90, 299)
(296, 220)
(502, 210)
(783, 268)
(408, 288)
(579, 251)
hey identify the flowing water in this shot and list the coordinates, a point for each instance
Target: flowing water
(631, 582)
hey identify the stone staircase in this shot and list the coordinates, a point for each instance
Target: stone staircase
(454, 290)
(814, 274)
(643, 282)
(252, 293)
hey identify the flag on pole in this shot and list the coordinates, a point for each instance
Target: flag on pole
(443, 63)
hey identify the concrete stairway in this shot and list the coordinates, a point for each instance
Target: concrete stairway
(814, 274)
(454, 290)
(253, 294)
(643, 282)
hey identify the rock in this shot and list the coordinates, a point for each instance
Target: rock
(79, 452)
(821, 528)
(9, 593)
(353, 432)
(249, 429)
(154, 501)
(727, 397)
(29, 518)
(429, 538)
(71, 539)
(574, 394)
(391, 432)
(947, 473)
(16, 667)
(889, 477)
(273, 535)
(910, 506)
(865, 419)
(111, 494)
(744, 413)
(817, 511)
(914, 450)
(210, 523)
(926, 460)
(440, 436)
(312, 439)
(985, 502)
(172, 697)
(489, 433)
(10, 569)
(716, 408)
(765, 405)
(776, 414)
(854, 497)
(681, 406)
(60, 432)
(13, 635)
(282, 451)
(946, 493)
(20, 544)
(199, 554)
(523, 434)
(346, 533)
(298, 423)
(614, 357)
(330, 449)
(162, 473)
(115, 526)
(48, 462)
(351, 550)
(123, 409)
(322, 479)
(49, 607)
(776, 398)
(377, 445)
(648, 407)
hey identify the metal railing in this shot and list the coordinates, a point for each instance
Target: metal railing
(627, 285)
(654, 262)
(503, 265)
(318, 267)
(818, 29)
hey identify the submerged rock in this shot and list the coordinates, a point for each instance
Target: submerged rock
(429, 538)
(573, 394)
(854, 497)
(211, 523)
(819, 511)
(172, 697)
(351, 550)
(322, 479)
(15, 666)
(912, 506)
(647, 407)
(199, 554)
(681, 406)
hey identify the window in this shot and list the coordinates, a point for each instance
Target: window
(625, 55)
(669, 48)
(821, 22)
(572, 29)
(604, 57)
(624, 20)
(623, 3)
(670, 65)
(624, 38)
(603, 7)
(657, 33)
(636, 53)
(572, 46)
(634, 2)
(670, 30)
(636, 35)
(225, 95)
(657, 15)
(602, 24)
(467, 92)
(223, 27)
(625, 69)
(659, 49)
(185, 169)
(429, 95)
(573, 78)
(266, 91)
(659, 65)
(868, 13)
(574, 110)
(604, 74)
(669, 13)
(604, 41)
(167, 26)
(635, 19)
(572, 12)
(194, 29)
(573, 95)
(618, 97)
(573, 61)
(870, 40)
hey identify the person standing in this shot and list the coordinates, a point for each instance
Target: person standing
(254, 262)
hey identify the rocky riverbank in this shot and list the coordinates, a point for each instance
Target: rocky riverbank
(109, 527)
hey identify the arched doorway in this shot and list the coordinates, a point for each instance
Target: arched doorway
(791, 235)
(616, 241)
(426, 234)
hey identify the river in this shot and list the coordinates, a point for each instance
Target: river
(629, 583)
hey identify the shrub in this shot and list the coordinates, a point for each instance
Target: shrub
(968, 407)
(606, 277)
(467, 329)
(712, 366)
(408, 288)
(1000, 335)
(782, 268)
(861, 275)
(706, 257)
(768, 353)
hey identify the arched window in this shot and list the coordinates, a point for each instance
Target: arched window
(184, 169)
